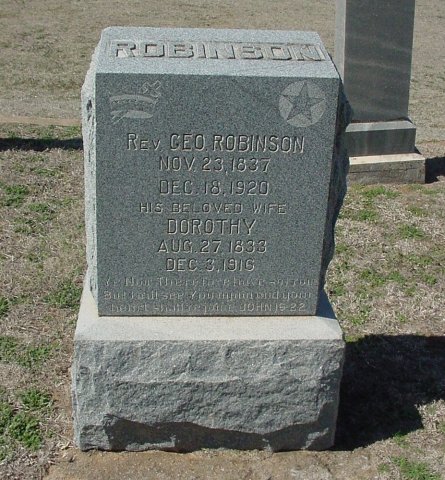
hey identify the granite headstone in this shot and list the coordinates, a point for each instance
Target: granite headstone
(209, 174)
(215, 170)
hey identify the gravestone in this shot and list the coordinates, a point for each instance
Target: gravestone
(373, 52)
(215, 171)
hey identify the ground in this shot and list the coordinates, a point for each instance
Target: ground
(386, 281)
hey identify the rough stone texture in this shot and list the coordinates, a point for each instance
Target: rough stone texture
(89, 151)
(129, 263)
(403, 168)
(182, 384)
(337, 188)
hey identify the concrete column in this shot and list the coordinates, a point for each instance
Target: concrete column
(373, 52)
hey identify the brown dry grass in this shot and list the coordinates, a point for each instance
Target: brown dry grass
(42, 249)
(386, 281)
(45, 48)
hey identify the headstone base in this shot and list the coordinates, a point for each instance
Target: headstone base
(403, 168)
(380, 138)
(185, 383)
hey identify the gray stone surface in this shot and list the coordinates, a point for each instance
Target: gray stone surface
(188, 213)
(373, 51)
(182, 384)
(381, 138)
(400, 168)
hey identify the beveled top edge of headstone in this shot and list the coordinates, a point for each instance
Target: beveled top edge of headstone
(107, 63)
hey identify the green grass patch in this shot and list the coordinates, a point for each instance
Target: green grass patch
(28, 356)
(35, 400)
(417, 211)
(366, 196)
(431, 191)
(342, 248)
(337, 289)
(414, 470)
(19, 168)
(429, 279)
(396, 277)
(410, 291)
(12, 135)
(34, 220)
(6, 414)
(400, 439)
(4, 306)
(35, 356)
(37, 257)
(44, 210)
(370, 193)
(26, 226)
(73, 131)
(361, 317)
(419, 260)
(411, 232)
(372, 277)
(54, 132)
(366, 215)
(46, 172)
(352, 338)
(8, 349)
(368, 211)
(5, 449)
(20, 426)
(25, 428)
(37, 157)
(67, 295)
(14, 195)
(48, 133)
(67, 201)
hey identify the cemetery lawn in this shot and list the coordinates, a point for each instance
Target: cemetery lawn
(387, 284)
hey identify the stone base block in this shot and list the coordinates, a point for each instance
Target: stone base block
(403, 168)
(185, 383)
(380, 138)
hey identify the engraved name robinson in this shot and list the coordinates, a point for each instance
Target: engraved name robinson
(217, 50)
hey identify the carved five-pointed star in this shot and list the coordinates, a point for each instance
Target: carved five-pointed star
(302, 104)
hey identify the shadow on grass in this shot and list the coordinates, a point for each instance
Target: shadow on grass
(434, 167)
(385, 379)
(40, 144)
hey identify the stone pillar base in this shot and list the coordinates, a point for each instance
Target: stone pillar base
(403, 168)
(185, 383)
(380, 138)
